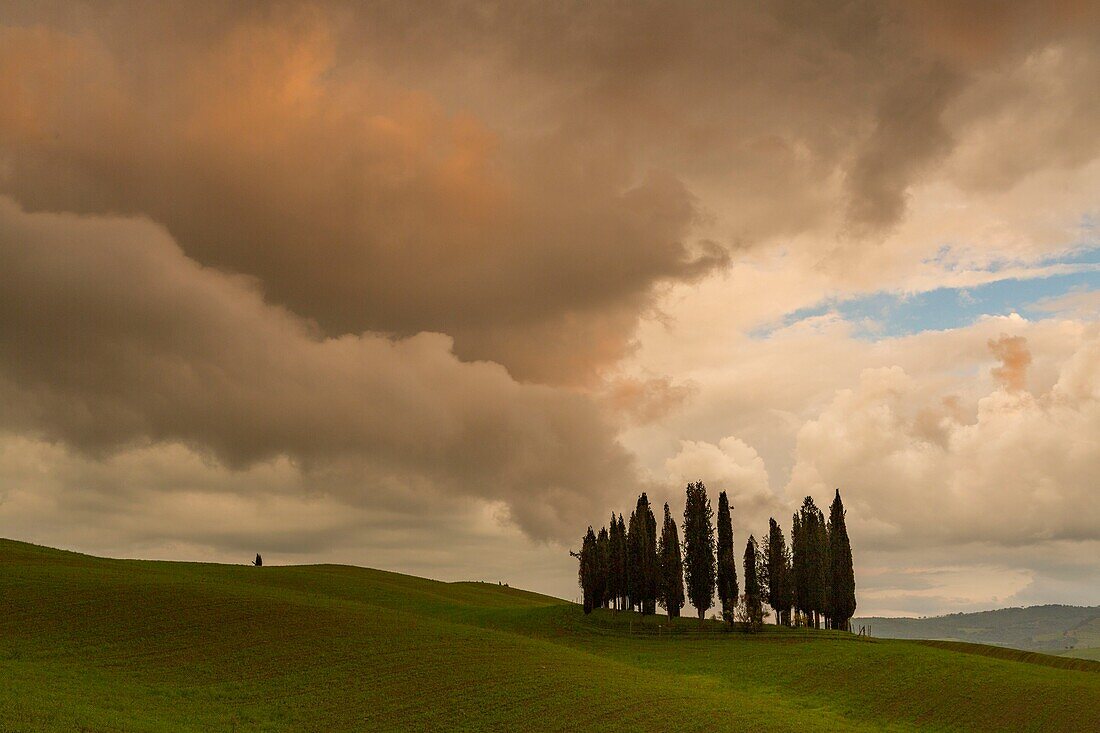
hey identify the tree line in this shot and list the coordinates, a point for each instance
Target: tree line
(809, 582)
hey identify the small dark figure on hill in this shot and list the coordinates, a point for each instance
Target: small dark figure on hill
(259, 561)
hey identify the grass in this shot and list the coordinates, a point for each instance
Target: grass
(121, 645)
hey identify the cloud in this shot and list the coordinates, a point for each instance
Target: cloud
(942, 467)
(644, 400)
(527, 179)
(731, 466)
(111, 337)
(356, 201)
(1016, 472)
(1015, 359)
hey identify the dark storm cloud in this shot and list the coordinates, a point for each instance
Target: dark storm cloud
(113, 338)
(518, 175)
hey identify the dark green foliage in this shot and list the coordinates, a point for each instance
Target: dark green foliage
(631, 558)
(616, 571)
(642, 565)
(727, 567)
(842, 579)
(810, 561)
(699, 565)
(753, 603)
(588, 570)
(603, 564)
(810, 580)
(622, 559)
(799, 566)
(821, 551)
(777, 573)
(671, 588)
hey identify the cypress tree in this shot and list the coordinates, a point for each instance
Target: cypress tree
(621, 562)
(799, 569)
(652, 571)
(615, 563)
(671, 590)
(633, 560)
(727, 568)
(787, 587)
(699, 566)
(777, 570)
(587, 571)
(821, 555)
(842, 579)
(810, 561)
(603, 565)
(752, 600)
(642, 557)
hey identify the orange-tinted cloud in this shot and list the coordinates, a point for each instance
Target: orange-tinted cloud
(1015, 359)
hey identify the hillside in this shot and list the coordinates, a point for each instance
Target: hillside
(111, 645)
(1068, 630)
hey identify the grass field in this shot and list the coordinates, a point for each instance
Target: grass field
(90, 644)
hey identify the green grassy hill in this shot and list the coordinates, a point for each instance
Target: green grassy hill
(90, 644)
(1069, 630)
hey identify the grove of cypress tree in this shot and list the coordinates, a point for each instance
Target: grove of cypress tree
(671, 589)
(587, 572)
(699, 565)
(727, 568)
(842, 579)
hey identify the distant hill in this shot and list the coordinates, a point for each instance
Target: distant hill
(1053, 629)
(91, 644)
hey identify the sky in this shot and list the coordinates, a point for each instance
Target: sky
(432, 287)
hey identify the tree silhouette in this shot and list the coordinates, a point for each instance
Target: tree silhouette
(671, 590)
(810, 561)
(753, 606)
(586, 575)
(602, 564)
(842, 579)
(777, 573)
(727, 567)
(621, 561)
(811, 581)
(259, 561)
(616, 563)
(699, 566)
(642, 557)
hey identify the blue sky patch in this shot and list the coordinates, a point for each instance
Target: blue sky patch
(887, 314)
